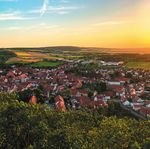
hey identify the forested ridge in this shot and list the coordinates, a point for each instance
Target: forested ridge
(27, 126)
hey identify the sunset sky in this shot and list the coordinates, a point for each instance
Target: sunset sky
(95, 23)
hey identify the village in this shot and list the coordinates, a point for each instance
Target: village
(129, 87)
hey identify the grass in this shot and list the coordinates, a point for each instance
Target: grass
(41, 64)
(45, 64)
(17, 63)
(136, 65)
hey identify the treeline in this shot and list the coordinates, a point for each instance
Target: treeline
(4, 56)
(26, 126)
(85, 70)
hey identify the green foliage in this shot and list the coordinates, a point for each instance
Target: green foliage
(42, 64)
(28, 126)
(45, 64)
(142, 65)
(146, 144)
(135, 145)
(86, 70)
(4, 56)
(8, 97)
(27, 94)
(92, 87)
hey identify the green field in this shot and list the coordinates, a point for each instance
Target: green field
(45, 64)
(41, 64)
(136, 65)
(17, 63)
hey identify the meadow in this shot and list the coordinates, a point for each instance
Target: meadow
(45, 64)
(51, 57)
(137, 65)
(40, 64)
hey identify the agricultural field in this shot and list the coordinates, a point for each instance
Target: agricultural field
(29, 57)
(17, 62)
(36, 56)
(41, 64)
(45, 64)
(137, 65)
(22, 54)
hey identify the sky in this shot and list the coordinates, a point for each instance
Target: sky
(88, 23)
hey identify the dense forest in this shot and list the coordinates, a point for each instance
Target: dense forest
(27, 126)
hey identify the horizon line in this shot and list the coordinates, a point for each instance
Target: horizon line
(17, 47)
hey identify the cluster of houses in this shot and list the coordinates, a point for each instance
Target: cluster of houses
(104, 63)
(131, 88)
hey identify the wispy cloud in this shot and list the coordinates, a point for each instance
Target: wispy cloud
(44, 7)
(57, 10)
(12, 16)
(47, 8)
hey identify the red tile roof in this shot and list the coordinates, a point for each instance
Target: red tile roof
(60, 104)
(23, 76)
(85, 101)
(145, 111)
(33, 100)
(122, 79)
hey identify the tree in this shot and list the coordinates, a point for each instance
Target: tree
(146, 144)
(28, 126)
(8, 97)
(135, 145)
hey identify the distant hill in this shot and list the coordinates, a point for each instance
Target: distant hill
(131, 50)
(62, 49)
(74, 49)
(54, 49)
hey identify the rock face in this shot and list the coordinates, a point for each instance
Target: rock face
(60, 104)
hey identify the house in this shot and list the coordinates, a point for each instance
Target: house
(111, 83)
(132, 92)
(100, 103)
(23, 78)
(85, 101)
(99, 97)
(145, 111)
(60, 104)
(127, 103)
(111, 63)
(122, 80)
(148, 106)
(78, 83)
(147, 103)
(10, 74)
(33, 100)
(60, 88)
(136, 107)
